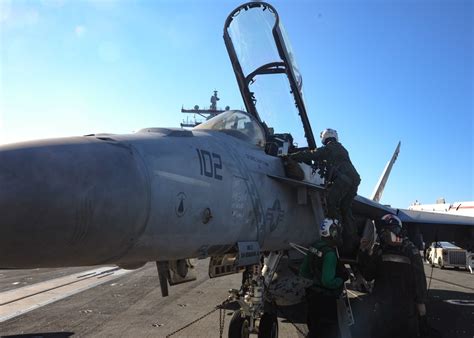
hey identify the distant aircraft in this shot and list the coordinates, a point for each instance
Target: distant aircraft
(459, 235)
(456, 208)
(167, 195)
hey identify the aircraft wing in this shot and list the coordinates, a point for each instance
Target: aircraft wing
(371, 209)
(433, 218)
(421, 225)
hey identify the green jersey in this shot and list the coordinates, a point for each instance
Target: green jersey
(322, 270)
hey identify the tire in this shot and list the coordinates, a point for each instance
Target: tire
(239, 327)
(268, 327)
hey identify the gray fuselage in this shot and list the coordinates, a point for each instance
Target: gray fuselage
(159, 194)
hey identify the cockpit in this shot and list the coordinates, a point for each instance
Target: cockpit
(238, 124)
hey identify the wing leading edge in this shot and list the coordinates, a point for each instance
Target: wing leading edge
(374, 210)
(422, 226)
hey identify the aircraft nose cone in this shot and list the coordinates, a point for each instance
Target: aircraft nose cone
(74, 201)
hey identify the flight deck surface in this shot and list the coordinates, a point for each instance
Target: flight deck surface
(131, 306)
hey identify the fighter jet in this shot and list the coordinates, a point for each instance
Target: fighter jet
(167, 195)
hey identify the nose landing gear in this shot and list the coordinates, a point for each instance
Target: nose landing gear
(254, 315)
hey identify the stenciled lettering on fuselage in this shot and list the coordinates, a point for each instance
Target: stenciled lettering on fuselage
(274, 216)
(210, 164)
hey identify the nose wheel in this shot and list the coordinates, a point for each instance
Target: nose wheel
(254, 301)
(239, 326)
(268, 327)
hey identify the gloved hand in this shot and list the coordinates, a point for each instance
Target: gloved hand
(292, 169)
(342, 272)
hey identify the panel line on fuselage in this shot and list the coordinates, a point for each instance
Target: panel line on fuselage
(257, 206)
(182, 179)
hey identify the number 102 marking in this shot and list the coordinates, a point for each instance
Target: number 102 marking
(210, 164)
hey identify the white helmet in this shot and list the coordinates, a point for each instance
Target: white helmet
(328, 133)
(391, 230)
(329, 228)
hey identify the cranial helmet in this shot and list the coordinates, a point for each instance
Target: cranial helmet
(329, 228)
(327, 134)
(391, 230)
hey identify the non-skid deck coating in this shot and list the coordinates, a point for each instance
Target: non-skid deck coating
(28, 298)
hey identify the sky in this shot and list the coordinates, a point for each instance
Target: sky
(378, 72)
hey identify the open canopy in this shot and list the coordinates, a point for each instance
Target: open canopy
(266, 71)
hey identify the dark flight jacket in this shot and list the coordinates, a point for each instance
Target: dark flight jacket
(334, 159)
(400, 280)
